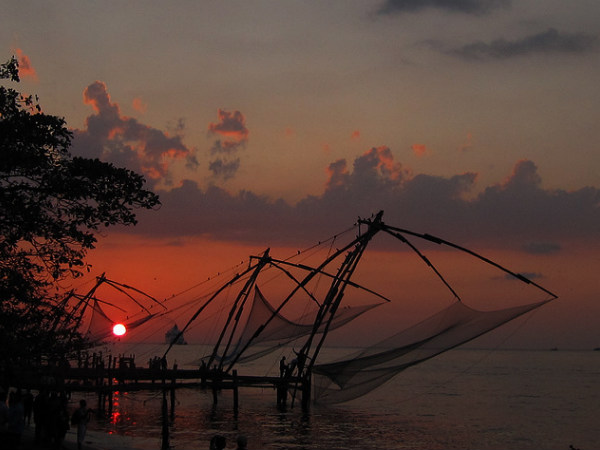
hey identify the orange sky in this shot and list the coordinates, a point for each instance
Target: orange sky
(165, 270)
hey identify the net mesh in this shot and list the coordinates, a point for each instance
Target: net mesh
(366, 370)
(277, 331)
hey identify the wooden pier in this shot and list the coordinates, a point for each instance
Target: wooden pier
(119, 375)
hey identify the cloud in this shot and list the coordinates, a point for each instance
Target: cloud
(528, 275)
(139, 105)
(224, 168)
(468, 145)
(550, 41)
(233, 135)
(26, 69)
(474, 7)
(110, 136)
(516, 213)
(378, 163)
(231, 125)
(355, 136)
(337, 173)
(541, 248)
(419, 150)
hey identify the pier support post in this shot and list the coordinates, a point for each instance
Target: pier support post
(110, 391)
(235, 393)
(173, 385)
(306, 382)
(282, 392)
(215, 386)
(165, 423)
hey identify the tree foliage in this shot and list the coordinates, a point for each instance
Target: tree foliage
(51, 206)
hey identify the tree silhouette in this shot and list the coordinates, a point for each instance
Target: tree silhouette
(51, 206)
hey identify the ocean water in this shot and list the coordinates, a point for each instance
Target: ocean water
(463, 399)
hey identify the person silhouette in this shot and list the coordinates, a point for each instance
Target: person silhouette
(282, 367)
(217, 442)
(242, 443)
(80, 418)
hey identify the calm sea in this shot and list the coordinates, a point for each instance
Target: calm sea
(464, 399)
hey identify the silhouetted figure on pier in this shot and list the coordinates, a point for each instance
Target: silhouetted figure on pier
(291, 368)
(282, 367)
(300, 361)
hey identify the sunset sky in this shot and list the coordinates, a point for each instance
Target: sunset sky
(277, 124)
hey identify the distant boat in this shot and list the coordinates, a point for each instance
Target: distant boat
(174, 336)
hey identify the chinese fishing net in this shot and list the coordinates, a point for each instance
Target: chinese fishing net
(366, 370)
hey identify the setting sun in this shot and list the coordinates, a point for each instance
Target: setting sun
(119, 329)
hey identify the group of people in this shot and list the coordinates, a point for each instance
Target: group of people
(157, 363)
(52, 420)
(12, 417)
(218, 442)
(50, 416)
(286, 370)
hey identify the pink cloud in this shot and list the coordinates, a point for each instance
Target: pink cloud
(419, 150)
(109, 135)
(337, 173)
(26, 69)
(231, 125)
(139, 105)
(232, 129)
(381, 160)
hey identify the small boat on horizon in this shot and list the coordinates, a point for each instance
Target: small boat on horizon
(174, 336)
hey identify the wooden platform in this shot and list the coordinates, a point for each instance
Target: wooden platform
(104, 381)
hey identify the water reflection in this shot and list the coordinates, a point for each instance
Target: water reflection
(511, 401)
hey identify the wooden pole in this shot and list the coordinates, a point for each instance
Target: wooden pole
(173, 385)
(110, 392)
(306, 382)
(235, 393)
(165, 423)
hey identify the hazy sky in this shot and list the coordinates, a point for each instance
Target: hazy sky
(278, 123)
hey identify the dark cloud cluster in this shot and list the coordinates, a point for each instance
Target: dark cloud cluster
(110, 136)
(541, 248)
(233, 135)
(475, 7)
(550, 41)
(516, 213)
